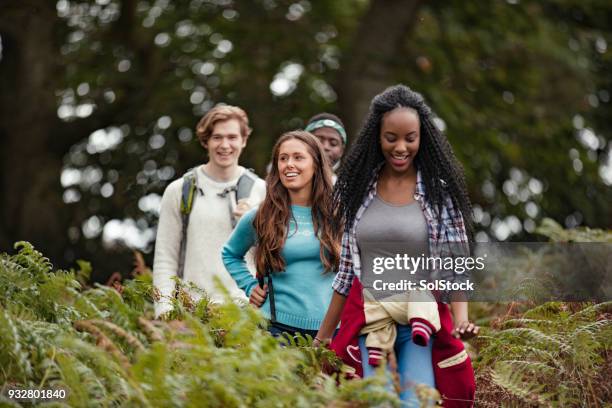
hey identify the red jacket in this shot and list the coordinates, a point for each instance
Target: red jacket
(452, 366)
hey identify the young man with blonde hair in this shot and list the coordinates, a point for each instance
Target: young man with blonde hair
(199, 210)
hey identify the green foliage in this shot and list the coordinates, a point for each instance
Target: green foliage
(555, 232)
(573, 266)
(103, 348)
(102, 345)
(555, 354)
(523, 89)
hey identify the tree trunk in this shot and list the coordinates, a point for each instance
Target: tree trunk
(31, 206)
(369, 61)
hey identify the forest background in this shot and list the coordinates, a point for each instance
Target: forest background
(98, 102)
(99, 99)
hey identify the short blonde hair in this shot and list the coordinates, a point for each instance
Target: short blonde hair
(221, 113)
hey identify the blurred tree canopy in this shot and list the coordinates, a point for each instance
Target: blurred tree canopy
(98, 101)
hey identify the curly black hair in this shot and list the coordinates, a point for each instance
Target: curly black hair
(442, 173)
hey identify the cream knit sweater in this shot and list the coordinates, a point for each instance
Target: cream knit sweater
(209, 228)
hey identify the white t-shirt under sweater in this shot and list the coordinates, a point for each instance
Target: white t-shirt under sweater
(208, 230)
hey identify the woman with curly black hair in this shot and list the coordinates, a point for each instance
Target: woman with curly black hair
(400, 182)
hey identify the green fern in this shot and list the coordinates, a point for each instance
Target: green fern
(550, 356)
(512, 380)
(33, 261)
(12, 353)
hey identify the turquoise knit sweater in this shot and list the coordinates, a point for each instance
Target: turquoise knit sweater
(302, 291)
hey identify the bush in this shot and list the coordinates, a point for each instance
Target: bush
(556, 354)
(103, 347)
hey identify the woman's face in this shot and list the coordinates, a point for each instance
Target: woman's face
(296, 166)
(400, 138)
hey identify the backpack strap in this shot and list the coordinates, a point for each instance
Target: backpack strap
(245, 184)
(242, 189)
(188, 194)
(272, 303)
(261, 280)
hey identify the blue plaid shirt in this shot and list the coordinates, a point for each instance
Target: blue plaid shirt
(443, 239)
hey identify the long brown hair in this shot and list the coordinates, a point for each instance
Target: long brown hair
(272, 219)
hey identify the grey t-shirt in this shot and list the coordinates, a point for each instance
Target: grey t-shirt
(386, 231)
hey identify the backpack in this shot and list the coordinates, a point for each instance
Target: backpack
(242, 189)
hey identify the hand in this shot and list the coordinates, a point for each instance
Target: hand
(465, 330)
(242, 206)
(317, 342)
(258, 295)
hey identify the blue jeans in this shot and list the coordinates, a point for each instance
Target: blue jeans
(414, 364)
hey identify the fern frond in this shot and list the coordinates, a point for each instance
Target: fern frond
(595, 328)
(83, 386)
(152, 332)
(120, 332)
(512, 381)
(529, 322)
(12, 349)
(108, 372)
(549, 310)
(534, 367)
(548, 341)
(537, 354)
(103, 341)
(592, 311)
(34, 261)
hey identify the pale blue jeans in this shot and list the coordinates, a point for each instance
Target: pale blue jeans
(414, 364)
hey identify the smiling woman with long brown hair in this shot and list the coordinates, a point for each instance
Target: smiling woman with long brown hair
(296, 244)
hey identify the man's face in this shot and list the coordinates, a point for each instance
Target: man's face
(332, 143)
(225, 144)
